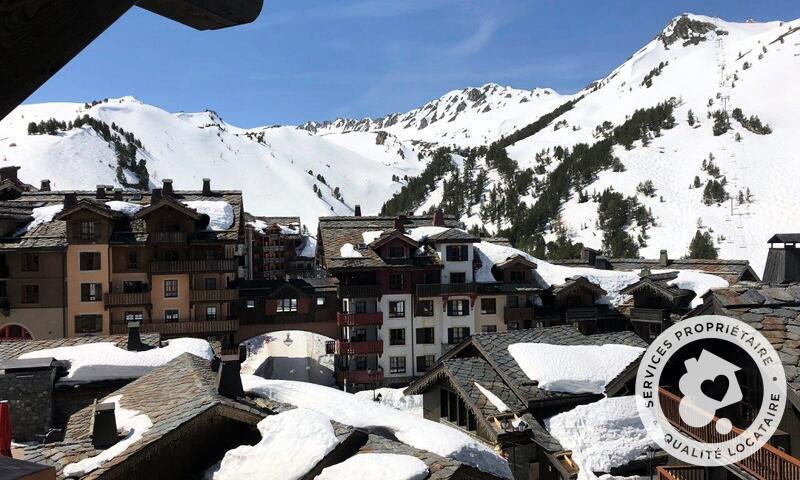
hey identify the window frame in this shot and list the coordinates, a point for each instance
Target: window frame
(432, 338)
(393, 285)
(461, 277)
(394, 249)
(30, 262)
(170, 292)
(489, 311)
(86, 292)
(463, 333)
(394, 312)
(463, 311)
(98, 326)
(456, 253)
(286, 305)
(29, 299)
(210, 283)
(429, 361)
(423, 312)
(211, 317)
(172, 315)
(516, 273)
(488, 328)
(133, 260)
(88, 230)
(397, 364)
(401, 333)
(133, 316)
(84, 265)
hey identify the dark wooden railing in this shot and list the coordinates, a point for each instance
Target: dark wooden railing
(126, 299)
(220, 295)
(362, 376)
(681, 472)
(193, 266)
(768, 463)
(355, 319)
(518, 314)
(168, 237)
(651, 314)
(359, 291)
(581, 313)
(436, 289)
(180, 327)
(344, 347)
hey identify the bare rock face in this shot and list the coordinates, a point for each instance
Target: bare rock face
(690, 30)
(381, 137)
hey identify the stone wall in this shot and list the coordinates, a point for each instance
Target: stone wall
(30, 394)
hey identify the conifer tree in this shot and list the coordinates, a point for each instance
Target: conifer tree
(702, 246)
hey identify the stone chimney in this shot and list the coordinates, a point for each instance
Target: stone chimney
(400, 223)
(438, 218)
(101, 192)
(118, 194)
(155, 196)
(663, 259)
(70, 200)
(9, 173)
(45, 186)
(588, 255)
(104, 425)
(206, 186)
(134, 338)
(229, 380)
(357, 211)
(783, 262)
(167, 186)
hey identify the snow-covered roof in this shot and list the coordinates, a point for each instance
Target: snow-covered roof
(127, 208)
(349, 251)
(492, 398)
(308, 248)
(220, 213)
(377, 466)
(40, 215)
(573, 368)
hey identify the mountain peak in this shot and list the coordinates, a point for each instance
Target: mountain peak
(690, 29)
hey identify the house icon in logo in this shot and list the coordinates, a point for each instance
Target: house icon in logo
(709, 384)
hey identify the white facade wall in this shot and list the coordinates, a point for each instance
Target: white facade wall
(448, 267)
(390, 323)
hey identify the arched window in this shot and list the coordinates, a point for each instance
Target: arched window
(15, 332)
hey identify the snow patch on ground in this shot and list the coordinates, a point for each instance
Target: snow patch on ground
(290, 355)
(348, 251)
(377, 466)
(493, 399)
(130, 422)
(220, 213)
(105, 361)
(394, 398)
(602, 435)
(350, 410)
(292, 443)
(573, 368)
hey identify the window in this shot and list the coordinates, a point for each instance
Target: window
(171, 316)
(30, 294)
(397, 364)
(251, 304)
(488, 328)
(397, 336)
(457, 308)
(512, 301)
(397, 309)
(89, 230)
(30, 262)
(488, 306)
(425, 308)
(287, 305)
(458, 277)
(88, 323)
(361, 363)
(91, 292)
(397, 252)
(513, 325)
(211, 313)
(170, 289)
(396, 281)
(133, 286)
(517, 276)
(210, 283)
(425, 336)
(133, 260)
(320, 301)
(457, 334)
(90, 261)
(133, 317)
(457, 253)
(424, 363)
(358, 335)
(361, 307)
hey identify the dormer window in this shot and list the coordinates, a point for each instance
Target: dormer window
(88, 230)
(396, 252)
(517, 276)
(457, 253)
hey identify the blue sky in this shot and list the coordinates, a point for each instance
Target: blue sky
(319, 59)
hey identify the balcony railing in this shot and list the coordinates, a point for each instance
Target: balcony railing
(681, 472)
(518, 314)
(362, 376)
(274, 248)
(168, 237)
(344, 347)
(581, 313)
(768, 463)
(221, 295)
(193, 266)
(126, 299)
(181, 327)
(436, 289)
(359, 291)
(355, 319)
(649, 314)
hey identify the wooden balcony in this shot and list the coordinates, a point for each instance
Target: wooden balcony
(356, 319)
(344, 347)
(188, 328)
(219, 295)
(682, 472)
(436, 289)
(193, 266)
(518, 314)
(168, 237)
(768, 463)
(649, 314)
(359, 291)
(126, 299)
(581, 313)
(362, 376)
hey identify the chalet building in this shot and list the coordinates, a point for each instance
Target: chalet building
(308, 304)
(457, 389)
(277, 248)
(411, 288)
(656, 303)
(87, 263)
(731, 270)
(576, 302)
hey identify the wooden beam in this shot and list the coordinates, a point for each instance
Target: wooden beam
(206, 14)
(38, 37)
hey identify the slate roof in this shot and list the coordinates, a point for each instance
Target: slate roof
(336, 231)
(577, 282)
(502, 241)
(659, 283)
(453, 235)
(785, 238)
(170, 396)
(52, 235)
(13, 349)
(731, 270)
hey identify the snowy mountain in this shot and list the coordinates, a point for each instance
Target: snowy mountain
(735, 79)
